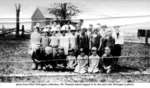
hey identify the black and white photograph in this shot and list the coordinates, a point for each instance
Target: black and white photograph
(75, 42)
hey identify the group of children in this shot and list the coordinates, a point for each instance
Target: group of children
(79, 49)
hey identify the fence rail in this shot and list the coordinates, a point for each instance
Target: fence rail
(55, 59)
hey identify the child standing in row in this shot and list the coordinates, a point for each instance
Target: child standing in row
(45, 41)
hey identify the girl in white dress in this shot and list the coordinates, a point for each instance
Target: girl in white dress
(71, 60)
(64, 42)
(54, 43)
(94, 61)
(82, 62)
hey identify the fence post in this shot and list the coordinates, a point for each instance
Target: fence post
(146, 36)
(22, 34)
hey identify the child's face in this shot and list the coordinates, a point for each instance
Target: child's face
(36, 30)
(117, 30)
(60, 51)
(73, 32)
(107, 50)
(90, 26)
(71, 53)
(94, 53)
(53, 34)
(63, 33)
(82, 53)
(48, 51)
(45, 34)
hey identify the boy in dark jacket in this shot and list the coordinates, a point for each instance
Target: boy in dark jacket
(60, 58)
(107, 60)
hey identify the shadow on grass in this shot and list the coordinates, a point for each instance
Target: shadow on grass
(116, 69)
(13, 37)
(119, 68)
(58, 70)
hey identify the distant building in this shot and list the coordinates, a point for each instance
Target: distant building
(41, 15)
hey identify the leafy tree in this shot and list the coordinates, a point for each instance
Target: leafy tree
(64, 11)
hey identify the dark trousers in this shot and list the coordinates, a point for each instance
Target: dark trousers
(116, 52)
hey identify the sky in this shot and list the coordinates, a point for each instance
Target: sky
(89, 9)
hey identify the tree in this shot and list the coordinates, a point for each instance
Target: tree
(18, 7)
(64, 11)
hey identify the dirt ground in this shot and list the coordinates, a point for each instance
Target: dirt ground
(15, 66)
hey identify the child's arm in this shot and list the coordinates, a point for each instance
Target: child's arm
(86, 61)
(75, 61)
(102, 59)
(58, 41)
(67, 58)
(100, 44)
(49, 41)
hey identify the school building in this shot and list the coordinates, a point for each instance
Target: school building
(41, 15)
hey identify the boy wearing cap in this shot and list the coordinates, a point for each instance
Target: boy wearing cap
(71, 60)
(82, 62)
(93, 61)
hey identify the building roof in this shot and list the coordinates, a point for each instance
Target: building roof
(44, 11)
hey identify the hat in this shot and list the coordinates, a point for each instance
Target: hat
(47, 26)
(70, 50)
(117, 26)
(81, 50)
(94, 48)
(109, 30)
(60, 48)
(97, 26)
(104, 26)
(45, 30)
(72, 27)
(84, 29)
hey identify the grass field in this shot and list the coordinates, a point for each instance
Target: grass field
(14, 60)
